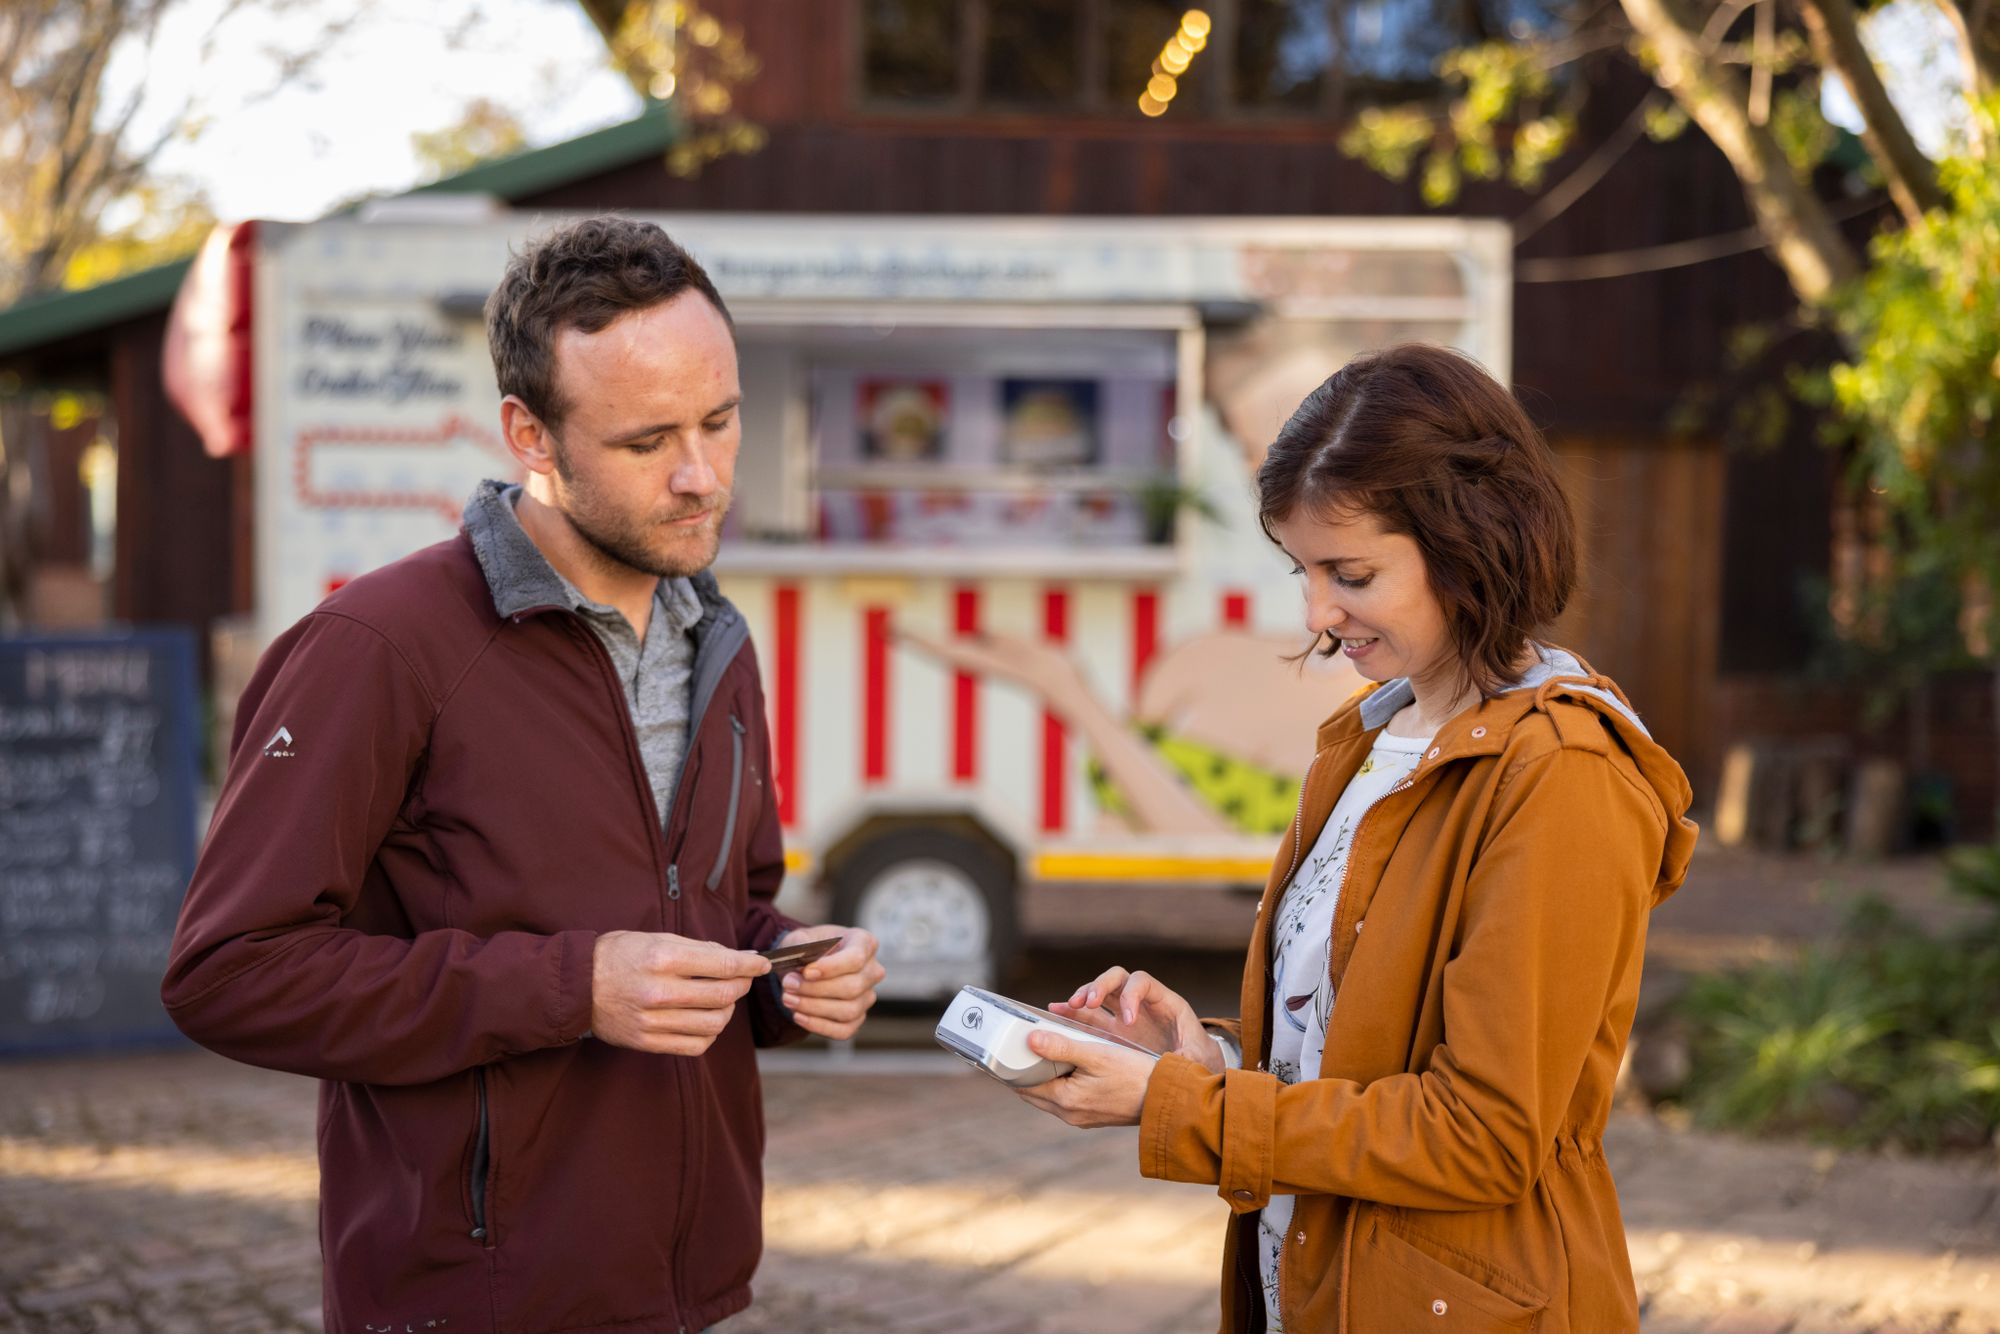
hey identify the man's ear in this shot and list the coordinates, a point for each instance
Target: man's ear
(528, 439)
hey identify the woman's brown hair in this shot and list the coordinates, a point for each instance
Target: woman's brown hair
(1427, 442)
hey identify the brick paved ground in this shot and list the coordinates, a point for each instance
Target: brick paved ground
(175, 1192)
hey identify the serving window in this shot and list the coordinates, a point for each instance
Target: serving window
(988, 438)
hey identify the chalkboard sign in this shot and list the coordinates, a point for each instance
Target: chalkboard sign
(97, 836)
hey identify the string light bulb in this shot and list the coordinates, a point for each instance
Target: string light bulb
(1176, 54)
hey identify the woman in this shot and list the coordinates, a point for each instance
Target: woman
(1408, 1120)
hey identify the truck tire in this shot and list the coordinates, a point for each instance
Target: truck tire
(941, 903)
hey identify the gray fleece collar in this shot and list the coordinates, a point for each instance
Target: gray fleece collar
(521, 578)
(1382, 704)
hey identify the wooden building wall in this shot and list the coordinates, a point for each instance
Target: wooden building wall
(182, 551)
(1650, 516)
(1602, 364)
(1677, 550)
(1608, 355)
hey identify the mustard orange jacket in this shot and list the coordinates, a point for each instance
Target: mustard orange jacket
(1449, 1162)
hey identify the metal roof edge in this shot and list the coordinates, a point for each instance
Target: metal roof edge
(53, 316)
(653, 131)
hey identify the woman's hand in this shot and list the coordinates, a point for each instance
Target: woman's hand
(1107, 1087)
(1140, 1008)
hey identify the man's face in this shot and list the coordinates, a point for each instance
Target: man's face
(646, 453)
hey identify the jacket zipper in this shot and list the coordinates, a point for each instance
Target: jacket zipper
(736, 731)
(1251, 1289)
(1284, 1262)
(657, 827)
(726, 643)
(1341, 904)
(482, 1155)
(683, 1076)
(1298, 823)
(1341, 909)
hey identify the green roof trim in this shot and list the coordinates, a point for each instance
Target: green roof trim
(1848, 152)
(53, 316)
(651, 133)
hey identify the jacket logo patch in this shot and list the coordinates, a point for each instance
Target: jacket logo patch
(279, 747)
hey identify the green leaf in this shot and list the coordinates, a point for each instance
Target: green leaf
(1665, 122)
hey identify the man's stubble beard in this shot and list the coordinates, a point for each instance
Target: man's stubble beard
(620, 543)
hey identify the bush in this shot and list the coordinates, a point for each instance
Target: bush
(1884, 1035)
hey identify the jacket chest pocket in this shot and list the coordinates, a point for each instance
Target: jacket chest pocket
(1397, 1283)
(739, 811)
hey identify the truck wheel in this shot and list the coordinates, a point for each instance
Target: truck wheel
(940, 903)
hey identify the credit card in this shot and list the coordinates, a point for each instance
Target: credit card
(791, 958)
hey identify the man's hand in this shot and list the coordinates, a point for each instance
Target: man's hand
(1140, 1008)
(652, 991)
(833, 994)
(1107, 1087)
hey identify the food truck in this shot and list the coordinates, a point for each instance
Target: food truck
(993, 523)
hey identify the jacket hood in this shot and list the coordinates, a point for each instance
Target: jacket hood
(1561, 677)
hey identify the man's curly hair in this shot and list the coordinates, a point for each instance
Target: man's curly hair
(582, 275)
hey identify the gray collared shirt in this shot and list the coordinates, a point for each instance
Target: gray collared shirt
(656, 674)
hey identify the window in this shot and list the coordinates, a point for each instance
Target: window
(1133, 33)
(1285, 52)
(1033, 55)
(1394, 45)
(1299, 58)
(912, 47)
(983, 438)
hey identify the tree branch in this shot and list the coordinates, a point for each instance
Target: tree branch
(1979, 41)
(1557, 198)
(1836, 43)
(1652, 259)
(1807, 245)
(1760, 71)
(1720, 22)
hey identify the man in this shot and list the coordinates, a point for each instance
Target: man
(499, 875)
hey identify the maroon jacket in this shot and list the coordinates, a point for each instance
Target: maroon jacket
(431, 812)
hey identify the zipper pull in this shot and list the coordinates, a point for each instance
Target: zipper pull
(673, 881)
(737, 723)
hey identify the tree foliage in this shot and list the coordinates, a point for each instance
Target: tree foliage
(65, 150)
(677, 52)
(1502, 114)
(81, 196)
(484, 131)
(1922, 385)
(1912, 383)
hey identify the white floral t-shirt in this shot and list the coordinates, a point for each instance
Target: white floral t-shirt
(1301, 938)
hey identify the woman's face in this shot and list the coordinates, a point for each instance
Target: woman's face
(1367, 587)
